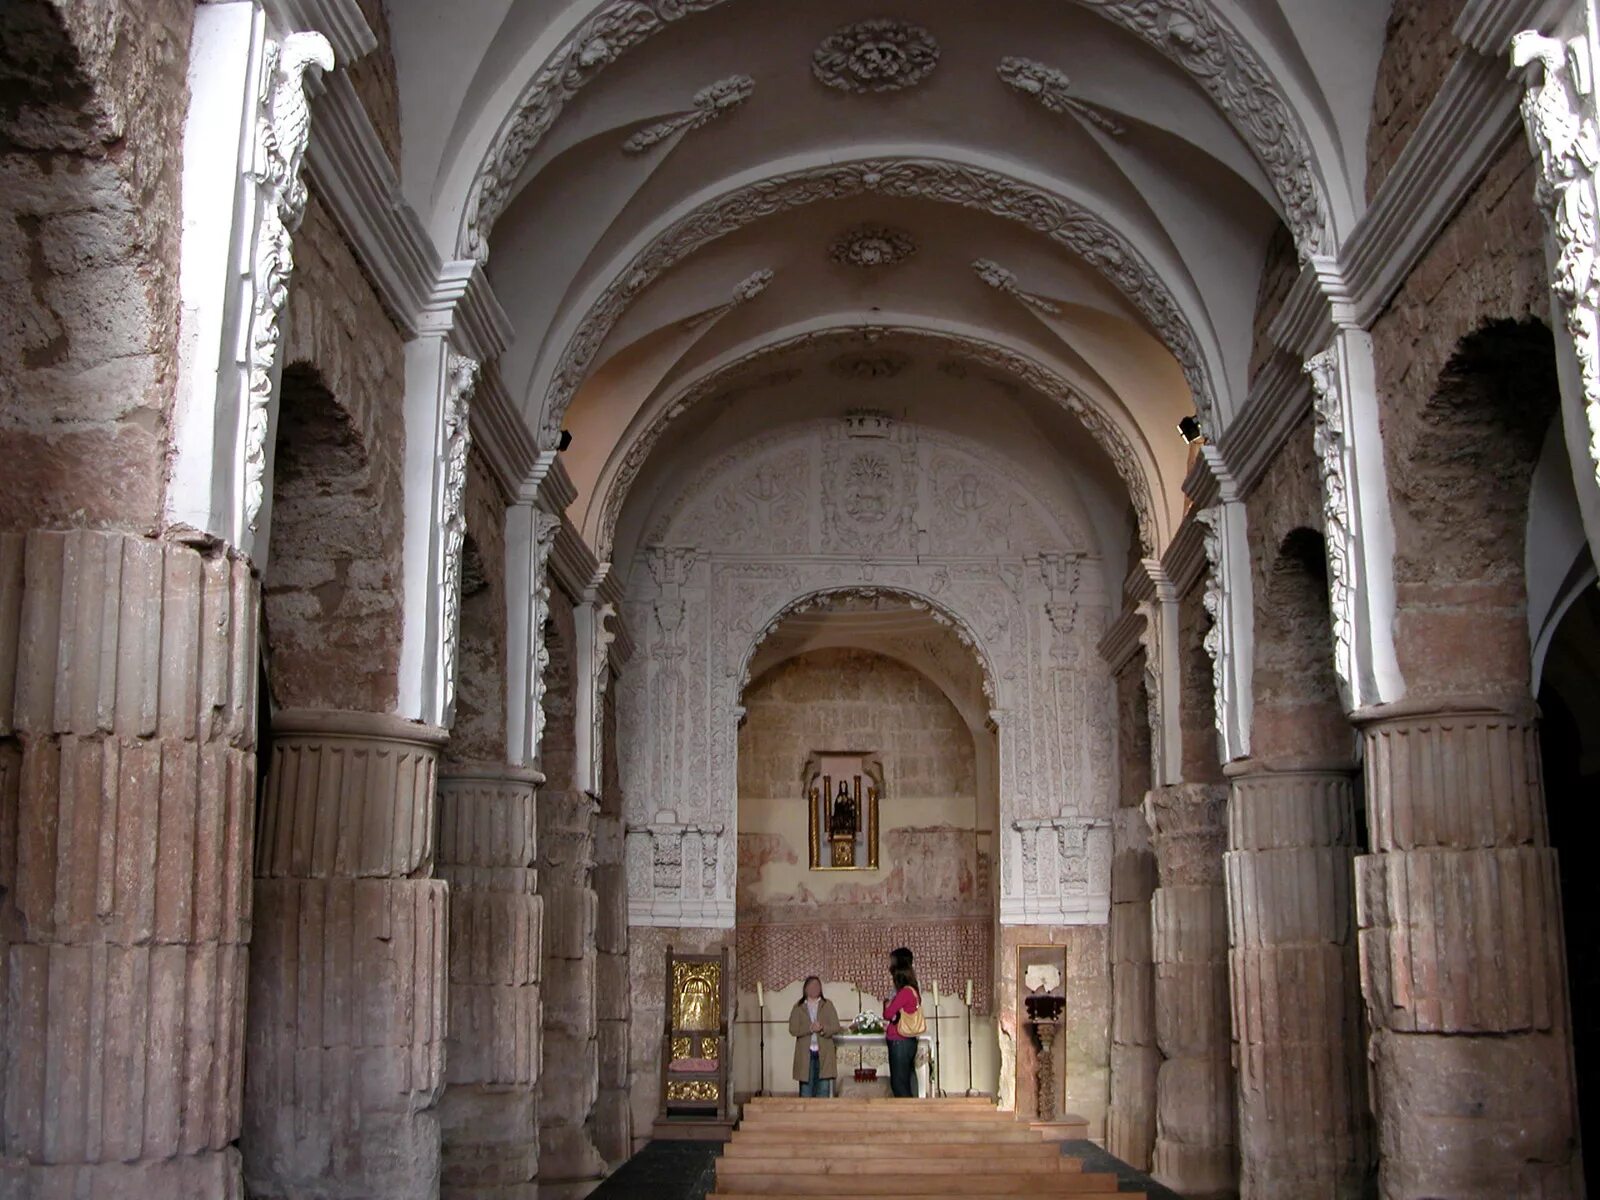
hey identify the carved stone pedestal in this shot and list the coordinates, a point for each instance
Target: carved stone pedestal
(1462, 959)
(1303, 1127)
(347, 990)
(127, 773)
(488, 1115)
(1195, 1151)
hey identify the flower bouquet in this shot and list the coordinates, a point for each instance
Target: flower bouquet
(865, 1022)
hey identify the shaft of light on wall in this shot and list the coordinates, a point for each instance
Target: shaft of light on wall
(969, 993)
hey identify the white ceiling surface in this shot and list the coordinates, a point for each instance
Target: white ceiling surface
(1179, 185)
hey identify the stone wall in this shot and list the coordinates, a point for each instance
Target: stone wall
(92, 100)
(1417, 54)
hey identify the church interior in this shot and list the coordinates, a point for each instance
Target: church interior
(530, 529)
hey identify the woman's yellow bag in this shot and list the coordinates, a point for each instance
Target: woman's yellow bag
(912, 1023)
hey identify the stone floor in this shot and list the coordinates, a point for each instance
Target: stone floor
(688, 1171)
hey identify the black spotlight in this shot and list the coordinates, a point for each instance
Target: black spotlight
(1190, 428)
(566, 439)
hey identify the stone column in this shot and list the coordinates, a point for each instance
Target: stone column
(487, 853)
(1131, 1118)
(127, 769)
(1462, 965)
(569, 1162)
(613, 996)
(347, 990)
(1303, 1125)
(1195, 1150)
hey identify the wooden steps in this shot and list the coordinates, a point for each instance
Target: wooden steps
(869, 1149)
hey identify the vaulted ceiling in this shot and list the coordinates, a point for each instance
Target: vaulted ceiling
(1052, 216)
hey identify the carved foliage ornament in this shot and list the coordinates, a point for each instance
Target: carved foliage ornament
(869, 246)
(1558, 111)
(1005, 281)
(709, 103)
(1051, 88)
(545, 528)
(1328, 442)
(875, 56)
(1186, 31)
(283, 126)
(747, 289)
(1210, 520)
(461, 378)
(1076, 229)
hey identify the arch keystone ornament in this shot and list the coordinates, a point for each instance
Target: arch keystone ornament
(1559, 114)
(880, 55)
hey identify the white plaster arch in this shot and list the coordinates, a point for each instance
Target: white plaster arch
(1246, 85)
(1153, 492)
(1056, 208)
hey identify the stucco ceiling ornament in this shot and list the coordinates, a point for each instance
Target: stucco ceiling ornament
(1328, 440)
(1000, 359)
(1076, 229)
(283, 127)
(881, 55)
(1210, 520)
(709, 103)
(869, 246)
(1192, 36)
(747, 289)
(882, 364)
(1005, 281)
(1558, 111)
(1051, 87)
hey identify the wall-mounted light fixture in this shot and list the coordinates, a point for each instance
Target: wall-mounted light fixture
(1190, 428)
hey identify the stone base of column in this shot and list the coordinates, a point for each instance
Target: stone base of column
(491, 1143)
(127, 733)
(347, 1039)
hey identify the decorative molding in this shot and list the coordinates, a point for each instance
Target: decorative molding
(1083, 233)
(616, 482)
(1559, 112)
(501, 435)
(1488, 25)
(1329, 443)
(881, 55)
(747, 289)
(283, 128)
(1197, 40)
(709, 103)
(461, 378)
(1002, 280)
(1222, 62)
(1051, 87)
(872, 246)
(545, 527)
(340, 21)
(869, 366)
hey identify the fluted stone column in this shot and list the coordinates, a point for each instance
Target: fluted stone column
(1135, 1060)
(1303, 1124)
(1462, 962)
(127, 768)
(487, 853)
(613, 997)
(1195, 1150)
(569, 1162)
(347, 982)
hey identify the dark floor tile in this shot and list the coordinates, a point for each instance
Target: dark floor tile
(664, 1171)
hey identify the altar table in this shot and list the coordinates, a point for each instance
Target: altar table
(872, 1050)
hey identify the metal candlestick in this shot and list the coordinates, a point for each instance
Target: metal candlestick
(971, 1091)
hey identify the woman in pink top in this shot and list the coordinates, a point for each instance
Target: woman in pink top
(902, 1050)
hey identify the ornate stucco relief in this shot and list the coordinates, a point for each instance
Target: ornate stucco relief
(461, 377)
(867, 508)
(985, 354)
(706, 105)
(880, 55)
(283, 127)
(1052, 88)
(1076, 229)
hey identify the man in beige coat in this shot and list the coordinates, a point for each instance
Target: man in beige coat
(813, 1022)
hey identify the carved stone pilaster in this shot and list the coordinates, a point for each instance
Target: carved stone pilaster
(341, 1094)
(1462, 959)
(488, 1115)
(1195, 1151)
(1303, 1126)
(127, 771)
